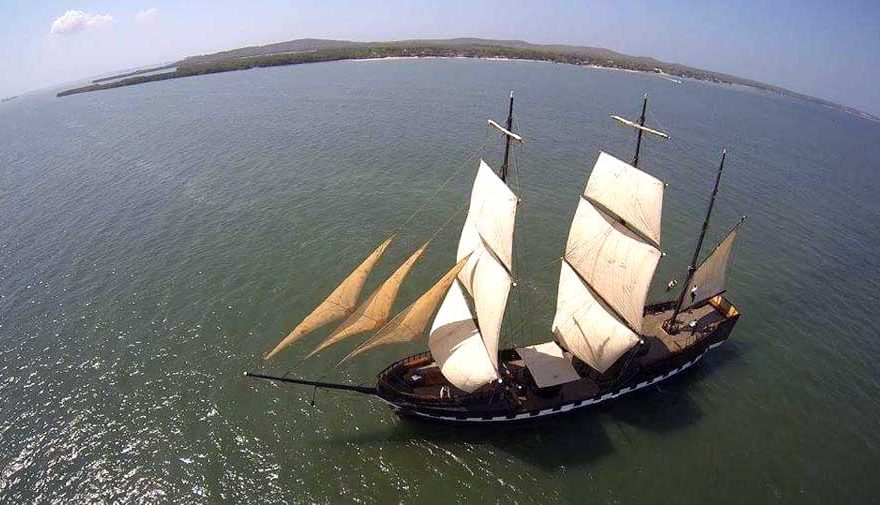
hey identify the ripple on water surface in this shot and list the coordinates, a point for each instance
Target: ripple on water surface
(155, 240)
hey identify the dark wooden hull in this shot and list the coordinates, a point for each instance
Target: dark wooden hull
(517, 399)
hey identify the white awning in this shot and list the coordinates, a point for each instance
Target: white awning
(549, 365)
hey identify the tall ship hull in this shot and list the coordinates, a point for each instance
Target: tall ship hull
(606, 340)
(414, 387)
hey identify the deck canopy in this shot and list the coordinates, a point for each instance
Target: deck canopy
(548, 364)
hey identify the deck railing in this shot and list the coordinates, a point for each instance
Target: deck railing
(390, 380)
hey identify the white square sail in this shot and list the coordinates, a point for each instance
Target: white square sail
(609, 262)
(614, 261)
(586, 327)
(487, 236)
(457, 346)
(633, 196)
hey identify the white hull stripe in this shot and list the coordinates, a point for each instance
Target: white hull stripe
(563, 408)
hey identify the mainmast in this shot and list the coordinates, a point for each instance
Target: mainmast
(671, 325)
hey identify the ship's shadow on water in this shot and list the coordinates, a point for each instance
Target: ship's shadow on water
(578, 438)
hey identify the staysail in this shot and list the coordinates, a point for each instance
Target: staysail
(375, 311)
(412, 322)
(711, 276)
(609, 262)
(340, 303)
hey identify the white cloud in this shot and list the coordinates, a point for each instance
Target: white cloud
(77, 21)
(147, 16)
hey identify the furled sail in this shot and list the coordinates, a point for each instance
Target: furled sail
(487, 238)
(412, 322)
(339, 304)
(457, 346)
(376, 310)
(609, 263)
(711, 276)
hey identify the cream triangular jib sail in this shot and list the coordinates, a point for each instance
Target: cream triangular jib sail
(457, 346)
(340, 303)
(413, 321)
(711, 276)
(487, 237)
(635, 197)
(614, 261)
(609, 262)
(376, 309)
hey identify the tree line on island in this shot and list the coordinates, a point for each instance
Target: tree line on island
(301, 51)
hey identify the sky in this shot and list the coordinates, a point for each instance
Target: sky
(827, 49)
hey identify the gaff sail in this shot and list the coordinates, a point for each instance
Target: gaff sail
(340, 303)
(711, 276)
(609, 262)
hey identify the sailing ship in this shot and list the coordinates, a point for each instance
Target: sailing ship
(606, 342)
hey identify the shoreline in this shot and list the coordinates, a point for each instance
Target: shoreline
(401, 51)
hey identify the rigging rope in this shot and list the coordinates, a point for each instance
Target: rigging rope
(518, 250)
(440, 188)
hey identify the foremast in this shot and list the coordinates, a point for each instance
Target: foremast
(507, 138)
(466, 329)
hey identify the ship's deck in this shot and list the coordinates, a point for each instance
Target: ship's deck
(662, 344)
(428, 382)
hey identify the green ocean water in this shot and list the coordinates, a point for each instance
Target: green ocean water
(156, 240)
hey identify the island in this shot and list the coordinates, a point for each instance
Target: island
(300, 51)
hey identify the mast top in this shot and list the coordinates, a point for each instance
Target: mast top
(505, 131)
(508, 134)
(640, 129)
